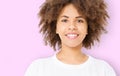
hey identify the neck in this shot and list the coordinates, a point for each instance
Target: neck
(71, 51)
(71, 55)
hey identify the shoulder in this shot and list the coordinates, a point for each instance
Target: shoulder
(37, 65)
(103, 65)
(100, 62)
(41, 61)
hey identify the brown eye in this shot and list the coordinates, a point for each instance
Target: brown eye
(64, 20)
(80, 21)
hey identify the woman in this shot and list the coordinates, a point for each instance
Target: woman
(71, 25)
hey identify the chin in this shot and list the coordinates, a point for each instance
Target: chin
(74, 46)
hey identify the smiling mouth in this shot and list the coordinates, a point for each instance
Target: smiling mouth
(72, 36)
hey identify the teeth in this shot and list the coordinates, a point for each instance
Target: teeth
(72, 36)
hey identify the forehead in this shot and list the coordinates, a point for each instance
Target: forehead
(70, 10)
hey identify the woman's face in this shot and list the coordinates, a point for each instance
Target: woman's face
(71, 27)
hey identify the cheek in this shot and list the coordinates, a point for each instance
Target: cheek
(83, 29)
(60, 31)
(60, 28)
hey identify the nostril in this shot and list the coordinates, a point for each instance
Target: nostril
(72, 27)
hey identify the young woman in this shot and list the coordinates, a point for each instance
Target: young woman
(71, 25)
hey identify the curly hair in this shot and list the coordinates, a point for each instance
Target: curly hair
(93, 10)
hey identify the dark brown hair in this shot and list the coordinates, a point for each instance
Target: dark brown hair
(94, 11)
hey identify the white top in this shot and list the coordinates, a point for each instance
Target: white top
(51, 66)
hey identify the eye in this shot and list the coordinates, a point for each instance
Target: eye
(64, 20)
(80, 21)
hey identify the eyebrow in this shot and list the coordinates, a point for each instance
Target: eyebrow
(75, 17)
(79, 17)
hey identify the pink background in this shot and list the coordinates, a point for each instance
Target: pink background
(21, 43)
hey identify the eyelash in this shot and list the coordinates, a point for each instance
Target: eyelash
(80, 21)
(65, 20)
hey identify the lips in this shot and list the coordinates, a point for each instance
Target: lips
(72, 35)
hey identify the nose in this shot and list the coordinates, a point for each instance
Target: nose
(72, 26)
